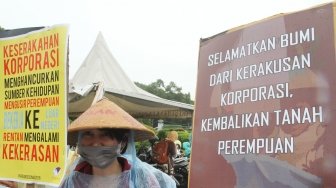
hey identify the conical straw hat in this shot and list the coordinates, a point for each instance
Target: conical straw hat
(106, 114)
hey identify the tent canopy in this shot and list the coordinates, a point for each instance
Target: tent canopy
(100, 68)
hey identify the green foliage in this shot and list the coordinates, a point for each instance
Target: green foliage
(146, 143)
(1, 28)
(143, 144)
(162, 134)
(150, 127)
(184, 136)
(170, 91)
(182, 133)
(146, 122)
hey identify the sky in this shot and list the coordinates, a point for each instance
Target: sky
(150, 39)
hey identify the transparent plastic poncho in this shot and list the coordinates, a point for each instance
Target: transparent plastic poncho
(141, 175)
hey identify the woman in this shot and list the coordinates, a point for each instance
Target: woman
(105, 136)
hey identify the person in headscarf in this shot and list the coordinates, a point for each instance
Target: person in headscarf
(105, 136)
(187, 149)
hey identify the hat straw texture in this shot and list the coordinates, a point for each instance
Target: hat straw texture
(106, 114)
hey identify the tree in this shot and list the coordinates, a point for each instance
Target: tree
(170, 91)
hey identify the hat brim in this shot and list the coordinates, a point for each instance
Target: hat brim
(138, 136)
(106, 114)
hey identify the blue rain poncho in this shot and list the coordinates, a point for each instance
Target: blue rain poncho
(140, 175)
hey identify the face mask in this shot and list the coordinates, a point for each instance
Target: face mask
(101, 156)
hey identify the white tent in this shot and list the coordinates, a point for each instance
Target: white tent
(100, 67)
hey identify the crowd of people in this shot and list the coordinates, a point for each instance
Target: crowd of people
(182, 149)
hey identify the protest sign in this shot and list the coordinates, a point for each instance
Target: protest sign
(265, 105)
(33, 84)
